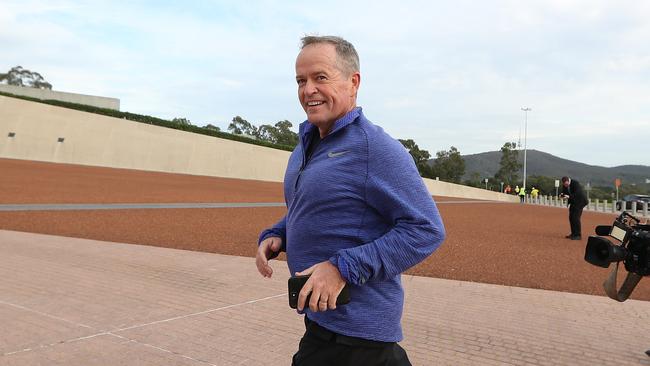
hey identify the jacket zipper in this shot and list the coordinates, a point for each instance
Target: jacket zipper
(306, 159)
(302, 166)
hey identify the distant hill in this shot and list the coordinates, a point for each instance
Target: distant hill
(541, 163)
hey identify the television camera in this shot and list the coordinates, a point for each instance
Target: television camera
(633, 251)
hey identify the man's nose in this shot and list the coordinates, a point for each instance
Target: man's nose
(310, 88)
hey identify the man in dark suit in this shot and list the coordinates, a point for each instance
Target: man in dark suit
(577, 201)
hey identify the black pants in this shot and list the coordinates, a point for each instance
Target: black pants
(575, 213)
(320, 346)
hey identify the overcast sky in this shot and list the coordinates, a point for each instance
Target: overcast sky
(444, 73)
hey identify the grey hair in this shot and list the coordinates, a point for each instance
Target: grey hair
(346, 54)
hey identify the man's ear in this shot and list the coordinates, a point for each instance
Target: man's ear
(356, 81)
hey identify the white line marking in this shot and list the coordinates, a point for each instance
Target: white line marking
(162, 349)
(199, 313)
(45, 314)
(22, 350)
(134, 327)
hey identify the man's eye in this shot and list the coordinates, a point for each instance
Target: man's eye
(321, 77)
(300, 82)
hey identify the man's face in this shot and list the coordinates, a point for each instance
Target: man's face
(325, 92)
(566, 184)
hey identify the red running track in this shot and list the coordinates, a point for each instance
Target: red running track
(499, 243)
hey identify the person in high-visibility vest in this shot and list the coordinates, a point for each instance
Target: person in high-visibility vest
(522, 194)
(534, 192)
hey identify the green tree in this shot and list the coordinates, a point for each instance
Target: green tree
(182, 121)
(284, 134)
(22, 77)
(546, 185)
(508, 166)
(449, 165)
(240, 126)
(212, 127)
(420, 157)
(266, 133)
(280, 134)
(474, 180)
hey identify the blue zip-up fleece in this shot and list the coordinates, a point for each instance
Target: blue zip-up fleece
(360, 203)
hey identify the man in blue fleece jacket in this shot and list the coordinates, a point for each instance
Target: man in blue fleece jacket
(357, 213)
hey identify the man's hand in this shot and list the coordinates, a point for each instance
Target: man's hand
(325, 285)
(267, 249)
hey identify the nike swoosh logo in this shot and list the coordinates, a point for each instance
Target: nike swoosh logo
(337, 154)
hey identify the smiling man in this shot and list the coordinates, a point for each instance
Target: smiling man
(358, 213)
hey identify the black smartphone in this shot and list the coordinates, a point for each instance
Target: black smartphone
(296, 283)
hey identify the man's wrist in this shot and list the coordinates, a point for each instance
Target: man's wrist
(266, 236)
(342, 267)
(270, 234)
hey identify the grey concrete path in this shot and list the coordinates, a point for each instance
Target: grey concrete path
(67, 301)
(139, 206)
(131, 206)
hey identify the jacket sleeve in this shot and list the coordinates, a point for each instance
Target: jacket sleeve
(565, 190)
(396, 191)
(580, 197)
(278, 230)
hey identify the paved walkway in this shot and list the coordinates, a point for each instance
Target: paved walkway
(67, 301)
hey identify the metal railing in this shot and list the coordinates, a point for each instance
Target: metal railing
(594, 205)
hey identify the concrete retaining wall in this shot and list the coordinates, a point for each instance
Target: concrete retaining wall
(439, 188)
(91, 139)
(95, 101)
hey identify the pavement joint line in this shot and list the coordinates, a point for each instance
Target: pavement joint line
(198, 313)
(112, 332)
(44, 314)
(162, 349)
(42, 346)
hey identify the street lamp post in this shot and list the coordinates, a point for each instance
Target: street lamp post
(526, 110)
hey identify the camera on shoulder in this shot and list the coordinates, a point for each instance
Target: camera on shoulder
(633, 251)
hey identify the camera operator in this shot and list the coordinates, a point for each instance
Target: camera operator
(577, 201)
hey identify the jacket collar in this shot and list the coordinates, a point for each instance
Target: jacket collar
(306, 127)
